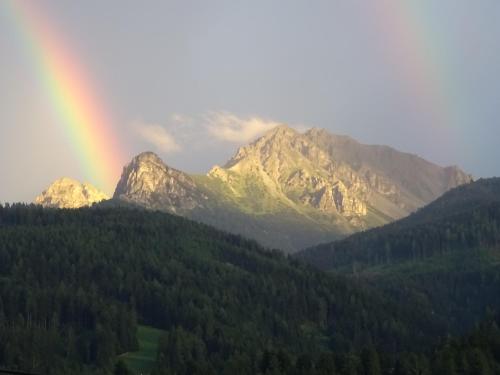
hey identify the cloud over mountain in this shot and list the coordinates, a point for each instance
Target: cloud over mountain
(231, 128)
(158, 136)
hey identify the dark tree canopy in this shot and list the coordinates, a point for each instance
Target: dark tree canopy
(74, 285)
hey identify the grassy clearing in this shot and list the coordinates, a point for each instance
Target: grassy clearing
(143, 360)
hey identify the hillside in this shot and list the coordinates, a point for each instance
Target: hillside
(290, 190)
(75, 283)
(464, 218)
(445, 257)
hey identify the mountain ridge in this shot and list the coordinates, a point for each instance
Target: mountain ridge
(291, 190)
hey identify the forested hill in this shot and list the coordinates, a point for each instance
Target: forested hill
(444, 258)
(465, 218)
(74, 284)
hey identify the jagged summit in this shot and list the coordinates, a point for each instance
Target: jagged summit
(148, 181)
(281, 130)
(69, 193)
(276, 138)
(148, 157)
(295, 171)
(336, 173)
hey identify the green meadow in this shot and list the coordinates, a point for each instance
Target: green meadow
(143, 360)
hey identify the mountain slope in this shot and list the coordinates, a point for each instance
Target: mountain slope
(68, 193)
(75, 283)
(405, 179)
(445, 257)
(466, 217)
(291, 190)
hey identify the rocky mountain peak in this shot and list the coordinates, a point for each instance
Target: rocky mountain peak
(316, 132)
(69, 193)
(148, 181)
(145, 168)
(276, 141)
(280, 131)
(336, 174)
(296, 171)
(148, 157)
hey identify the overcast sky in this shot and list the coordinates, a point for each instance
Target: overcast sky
(193, 80)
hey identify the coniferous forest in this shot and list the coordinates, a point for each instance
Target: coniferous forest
(75, 284)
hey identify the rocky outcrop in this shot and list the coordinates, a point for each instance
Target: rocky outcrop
(69, 193)
(300, 173)
(338, 175)
(149, 182)
(401, 179)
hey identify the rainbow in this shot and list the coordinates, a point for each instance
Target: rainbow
(414, 48)
(79, 111)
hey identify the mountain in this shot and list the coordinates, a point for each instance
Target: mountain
(290, 190)
(465, 218)
(147, 181)
(406, 180)
(362, 184)
(68, 193)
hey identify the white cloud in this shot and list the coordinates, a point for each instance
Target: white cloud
(181, 119)
(158, 136)
(229, 127)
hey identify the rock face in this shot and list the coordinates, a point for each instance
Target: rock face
(405, 180)
(147, 181)
(296, 171)
(336, 175)
(290, 190)
(68, 193)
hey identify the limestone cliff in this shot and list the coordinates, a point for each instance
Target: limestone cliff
(69, 193)
(297, 172)
(149, 182)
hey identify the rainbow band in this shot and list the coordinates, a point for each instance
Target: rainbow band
(85, 122)
(420, 60)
